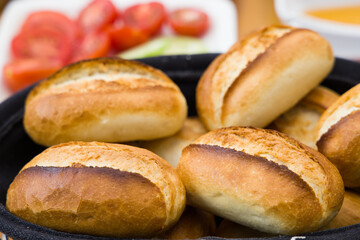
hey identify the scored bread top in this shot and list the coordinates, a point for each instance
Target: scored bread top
(118, 157)
(255, 76)
(348, 103)
(107, 100)
(278, 148)
(262, 179)
(128, 74)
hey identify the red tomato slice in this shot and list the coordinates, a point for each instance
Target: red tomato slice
(148, 17)
(189, 21)
(41, 43)
(53, 20)
(93, 45)
(124, 37)
(97, 15)
(21, 73)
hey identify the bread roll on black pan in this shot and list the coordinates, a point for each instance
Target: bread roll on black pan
(338, 136)
(98, 189)
(107, 100)
(262, 179)
(262, 76)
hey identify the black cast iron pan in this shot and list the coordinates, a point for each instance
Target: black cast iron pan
(16, 148)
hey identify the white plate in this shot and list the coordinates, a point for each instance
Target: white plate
(344, 38)
(221, 35)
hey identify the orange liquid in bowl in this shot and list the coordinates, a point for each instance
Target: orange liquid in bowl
(350, 14)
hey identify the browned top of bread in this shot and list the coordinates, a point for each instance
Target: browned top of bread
(251, 72)
(118, 184)
(345, 105)
(129, 74)
(108, 100)
(268, 180)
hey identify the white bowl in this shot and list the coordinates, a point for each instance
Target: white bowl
(221, 35)
(344, 38)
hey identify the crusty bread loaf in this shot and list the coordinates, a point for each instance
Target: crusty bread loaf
(98, 189)
(170, 148)
(108, 100)
(229, 229)
(338, 136)
(262, 179)
(300, 121)
(349, 213)
(262, 76)
(194, 223)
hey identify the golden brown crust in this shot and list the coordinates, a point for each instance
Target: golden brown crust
(77, 170)
(109, 100)
(96, 201)
(340, 144)
(300, 122)
(193, 224)
(170, 148)
(320, 98)
(338, 136)
(261, 178)
(272, 63)
(349, 213)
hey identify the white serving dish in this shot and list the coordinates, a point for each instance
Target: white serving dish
(220, 37)
(344, 38)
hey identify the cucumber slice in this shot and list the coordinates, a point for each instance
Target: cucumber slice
(166, 46)
(185, 45)
(149, 49)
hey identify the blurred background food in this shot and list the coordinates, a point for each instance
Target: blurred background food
(97, 28)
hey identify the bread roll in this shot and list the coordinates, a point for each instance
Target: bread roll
(228, 229)
(262, 76)
(262, 179)
(338, 136)
(300, 121)
(170, 148)
(349, 213)
(194, 223)
(99, 189)
(108, 100)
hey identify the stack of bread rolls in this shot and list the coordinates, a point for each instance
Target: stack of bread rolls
(91, 182)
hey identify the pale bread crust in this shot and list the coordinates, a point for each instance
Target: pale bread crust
(170, 148)
(338, 136)
(108, 100)
(262, 179)
(193, 224)
(276, 60)
(129, 191)
(300, 122)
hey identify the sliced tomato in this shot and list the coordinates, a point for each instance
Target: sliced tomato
(124, 37)
(54, 20)
(93, 45)
(97, 15)
(189, 21)
(147, 17)
(41, 43)
(21, 73)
